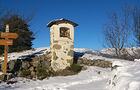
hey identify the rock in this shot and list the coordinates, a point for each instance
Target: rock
(48, 56)
(57, 46)
(33, 74)
(43, 58)
(31, 69)
(5, 77)
(2, 77)
(9, 76)
(25, 64)
(11, 65)
(25, 73)
(98, 62)
(55, 57)
(34, 63)
(71, 53)
(59, 64)
(11, 82)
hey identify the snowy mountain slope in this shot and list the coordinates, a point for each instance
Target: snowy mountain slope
(111, 51)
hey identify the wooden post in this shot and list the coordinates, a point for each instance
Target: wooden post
(5, 41)
(5, 53)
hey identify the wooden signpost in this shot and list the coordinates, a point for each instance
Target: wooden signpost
(6, 41)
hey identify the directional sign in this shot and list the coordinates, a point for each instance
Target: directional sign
(6, 42)
(8, 35)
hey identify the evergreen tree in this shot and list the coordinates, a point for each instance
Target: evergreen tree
(20, 26)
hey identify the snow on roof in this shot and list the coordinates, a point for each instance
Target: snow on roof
(62, 20)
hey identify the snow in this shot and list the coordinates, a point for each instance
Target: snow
(86, 80)
(36, 51)
(93, 57)
(125, 75)
(138, 60)
(108, 51)
(111, 51)
(82, 50)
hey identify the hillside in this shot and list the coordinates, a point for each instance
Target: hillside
(124, 74)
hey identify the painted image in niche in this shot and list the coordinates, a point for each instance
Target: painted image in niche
(64, 32)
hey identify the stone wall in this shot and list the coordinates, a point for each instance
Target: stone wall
(62, 48)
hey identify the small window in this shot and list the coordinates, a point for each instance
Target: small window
(64, 32)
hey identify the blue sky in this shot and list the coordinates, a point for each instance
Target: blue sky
(91, 15)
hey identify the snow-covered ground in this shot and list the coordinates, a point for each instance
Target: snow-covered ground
(86, 80)
(126, 75)
(36, 51)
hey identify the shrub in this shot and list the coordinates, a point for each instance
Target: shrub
(25, 73)
(76, 67)
(72, 70)
(42, 70)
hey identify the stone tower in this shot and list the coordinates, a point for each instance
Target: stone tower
(61, 43)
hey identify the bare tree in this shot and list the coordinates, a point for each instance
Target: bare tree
(136, 24)
(116, 32)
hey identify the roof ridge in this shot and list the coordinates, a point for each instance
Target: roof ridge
(61, 20)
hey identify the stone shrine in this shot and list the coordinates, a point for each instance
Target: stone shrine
(61, 43)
